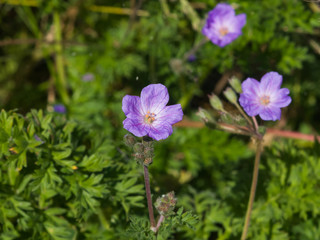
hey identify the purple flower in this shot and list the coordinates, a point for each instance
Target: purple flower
(88, 77)
(192, 58)
(59, 108)
(223, 26)
(264, 98)
(149, 115)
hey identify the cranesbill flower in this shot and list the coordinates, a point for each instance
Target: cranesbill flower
(222, 25)
(264, 98)
(59, 108)
(148, 114)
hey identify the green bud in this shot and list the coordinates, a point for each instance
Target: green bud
(216, 102)
(138, 148)
(230, 95)
(139, 157)
(235, 84)
(205, 116)
(129, 140)
(148, 151)
(147, 161)
(166, 203)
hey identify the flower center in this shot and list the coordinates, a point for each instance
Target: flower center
(223, 31)
(265, 100)
(149, 117)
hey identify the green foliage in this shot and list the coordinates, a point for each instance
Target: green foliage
(53, 177)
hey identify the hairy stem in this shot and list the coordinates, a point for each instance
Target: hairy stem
(253, 189)
(149, 200)
(159, 222)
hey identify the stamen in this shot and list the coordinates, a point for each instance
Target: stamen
(265, 100)
(223, 31)
(149, 117)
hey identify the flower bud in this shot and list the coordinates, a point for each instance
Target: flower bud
(205, 116)
(148, 152)
(230, 95)
(129, 140)
(138, 147)
(139, 157)
(216, 102)
(166, 203)
(147, 161)
(235, 84)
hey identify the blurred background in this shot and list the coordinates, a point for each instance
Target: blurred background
(86, 55)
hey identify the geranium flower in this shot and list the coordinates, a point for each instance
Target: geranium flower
(222, 25)
(148, 114)
(264, 98)
(59, 108)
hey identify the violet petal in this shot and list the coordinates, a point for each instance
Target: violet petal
(154, 98)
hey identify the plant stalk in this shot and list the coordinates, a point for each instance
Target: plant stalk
(60, 80)
(253, 189)
(149, 200)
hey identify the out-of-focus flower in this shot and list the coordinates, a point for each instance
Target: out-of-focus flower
(59, 108)
(148, 114)
(264, 98)
(222, 25)
(192, 58)
(88, 77)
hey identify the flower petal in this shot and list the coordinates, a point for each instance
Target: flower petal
(136, 126)
(250, 87)
(270, 113)
(160, 131)
(221, 9)
(227, 39)
(171, 114)
(270, 82)
(131, 104)
(241, 20)
(250, 105)
(154, 98)
(280, 98)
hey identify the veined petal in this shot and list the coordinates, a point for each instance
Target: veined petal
(270, 82)
(136, 127)
(154, 98)
(250, 87)
(280, 98)
(131, 104)
(250, 105)
(160, 131)
(270, 113)
(171, 114)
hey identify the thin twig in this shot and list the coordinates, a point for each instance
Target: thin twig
(149, 199)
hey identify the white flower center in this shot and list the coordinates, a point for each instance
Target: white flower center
(149, 117)
(223, 31)
(265, 100)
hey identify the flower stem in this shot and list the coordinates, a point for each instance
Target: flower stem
(60, 81)
(253, 189)
(195, 49)
(149, 200)
(243, 113)
(159, 223)
(255, 123)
